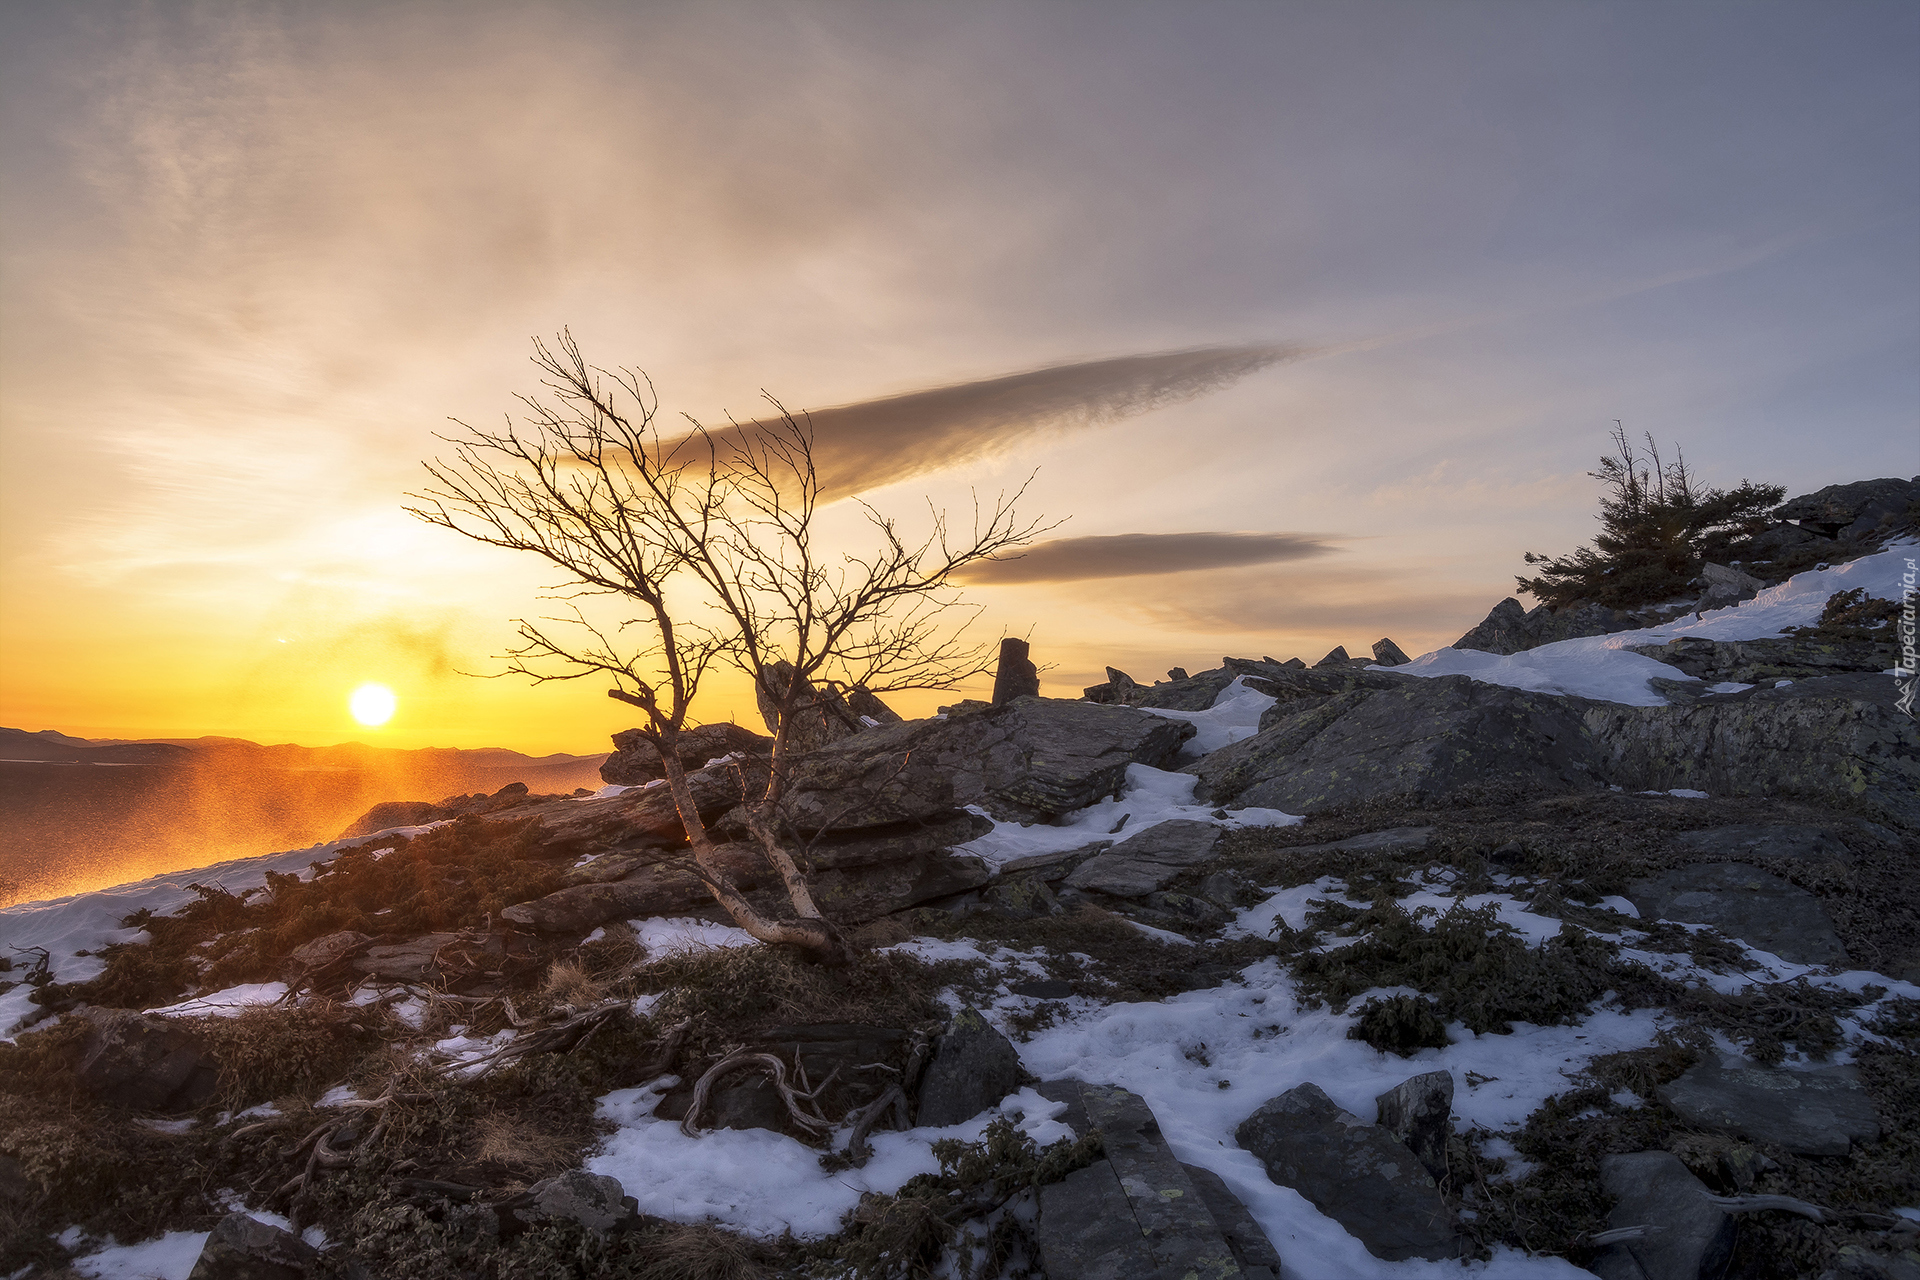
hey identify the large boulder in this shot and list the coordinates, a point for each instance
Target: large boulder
(1743, 902)
(1687, 1236)
(1837, 740)
(1419, 1112)
(1148, 861)
(595, 1201)
(973, 1067)
(1030, 760)
(244, 1248)
(138, 1062)
(636, 760)
(1356, 1173)
(1726, 586)
(1853, 510)
(1408, 739)
(1818, 1111)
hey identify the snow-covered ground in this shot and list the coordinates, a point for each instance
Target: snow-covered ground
(1600, 667)
(1203, 1060)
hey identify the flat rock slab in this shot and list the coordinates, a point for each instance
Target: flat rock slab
(1149, 861)
(1138, 1214)
(1356, 1173)
(1249, 1243)
(410, 961)
(1688, 1236)
(1818, 1112)
(1392, 840)
(1743, 902)
(1756, 840)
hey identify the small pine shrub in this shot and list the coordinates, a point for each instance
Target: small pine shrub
(1658, 525)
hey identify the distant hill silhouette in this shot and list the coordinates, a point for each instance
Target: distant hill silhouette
(79, 813)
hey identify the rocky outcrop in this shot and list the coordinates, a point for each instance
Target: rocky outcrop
(644, 817)
(1511, 628)
(1840, 740)
(1785, 658)
(819, 716)
(418, 813)
(1686, 1236)
(1389, 654)
(1139, 1214)
(636, 760)
(1743, 902)
(241, 1247)
(1853, 511)
(1414, 739)
(1817, 1111)
(1726, 586)
(1356, 1173)
(1030, 760)
(858, 876)
(973, 1067)
(325, 950)
(1245, 1239)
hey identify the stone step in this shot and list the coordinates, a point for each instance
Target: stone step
(1140, 1214)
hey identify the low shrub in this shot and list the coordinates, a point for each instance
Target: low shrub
(1402, 1025)
(1478, 969)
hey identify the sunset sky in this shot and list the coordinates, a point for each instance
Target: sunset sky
(1363, 284)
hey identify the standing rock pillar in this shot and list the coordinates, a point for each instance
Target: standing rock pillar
(1016, 675)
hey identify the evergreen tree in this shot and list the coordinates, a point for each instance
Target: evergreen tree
(1657, 527)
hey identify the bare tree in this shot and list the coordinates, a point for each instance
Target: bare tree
(711, 535)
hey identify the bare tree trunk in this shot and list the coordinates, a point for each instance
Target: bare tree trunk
(811, 932)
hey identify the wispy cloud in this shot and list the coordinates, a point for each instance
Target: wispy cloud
(876, 442)
(1126, 555)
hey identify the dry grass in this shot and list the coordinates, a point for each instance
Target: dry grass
(699, 1253)
(514, 1143)
(570, 982)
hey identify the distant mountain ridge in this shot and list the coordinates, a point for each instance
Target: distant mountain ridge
(52, 746)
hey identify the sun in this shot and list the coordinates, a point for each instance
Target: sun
(372, 704)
